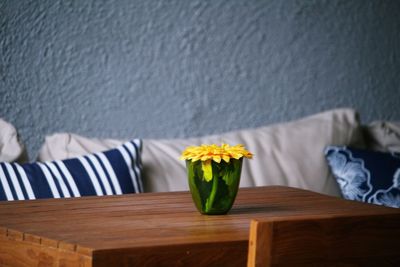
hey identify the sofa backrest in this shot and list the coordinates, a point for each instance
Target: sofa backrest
(284, 154)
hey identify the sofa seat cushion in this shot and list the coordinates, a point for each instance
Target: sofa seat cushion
(289, 153)
(115, 171)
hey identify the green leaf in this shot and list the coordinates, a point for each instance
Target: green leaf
(192, 183)
(206, 166)
(232, 172)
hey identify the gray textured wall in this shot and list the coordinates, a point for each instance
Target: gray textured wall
(185, 68)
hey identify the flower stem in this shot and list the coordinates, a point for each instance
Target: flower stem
(214, 188)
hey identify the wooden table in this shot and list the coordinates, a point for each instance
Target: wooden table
(157, 229)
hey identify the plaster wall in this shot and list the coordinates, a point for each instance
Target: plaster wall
(177, 68)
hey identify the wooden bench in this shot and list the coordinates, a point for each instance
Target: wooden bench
(371, 240)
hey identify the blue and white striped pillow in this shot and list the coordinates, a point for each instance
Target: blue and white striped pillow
(113, 172)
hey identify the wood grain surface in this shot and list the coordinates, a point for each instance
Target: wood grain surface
(368, 240)
(152, 229)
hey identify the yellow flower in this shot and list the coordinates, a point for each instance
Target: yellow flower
(216, 153)
(208, 153)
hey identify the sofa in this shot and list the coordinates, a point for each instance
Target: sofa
(291, 153)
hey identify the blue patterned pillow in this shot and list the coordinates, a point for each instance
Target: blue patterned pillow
(113, 172)
(367, 176)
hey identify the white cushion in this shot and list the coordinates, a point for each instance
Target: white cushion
(11, 149)
(289, 154)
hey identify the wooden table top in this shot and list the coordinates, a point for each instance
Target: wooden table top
(157, 228)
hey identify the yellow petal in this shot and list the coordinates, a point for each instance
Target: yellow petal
(236, 155)
(195, 159)
(226, 158)
(216, 158)
(204, 158)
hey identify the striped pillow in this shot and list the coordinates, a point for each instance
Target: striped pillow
(113, 172)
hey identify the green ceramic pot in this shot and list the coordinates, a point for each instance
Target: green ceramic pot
(216, 195)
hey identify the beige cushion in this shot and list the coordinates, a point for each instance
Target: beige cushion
(284, 154)
(11, 149)
(383, 136)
